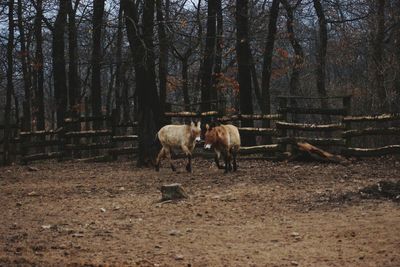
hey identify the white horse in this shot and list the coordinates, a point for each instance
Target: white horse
(178, 137)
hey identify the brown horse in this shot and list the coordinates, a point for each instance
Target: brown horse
(178, 137)
(225, 140)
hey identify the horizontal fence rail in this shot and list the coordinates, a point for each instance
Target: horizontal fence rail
(111, 140)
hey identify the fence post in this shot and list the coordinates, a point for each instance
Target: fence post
(87, 126)
(283, 132)
(114, 124)
(23, 149)
(347, 124)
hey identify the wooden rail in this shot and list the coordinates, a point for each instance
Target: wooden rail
(371, 152)
(382, 117)
(372, 131)
(259, 131)
(308, 127)
(250, 117)
(187, 114)
(321, 111)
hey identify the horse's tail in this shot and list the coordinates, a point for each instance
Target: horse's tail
(157, 142)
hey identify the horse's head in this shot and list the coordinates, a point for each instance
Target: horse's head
(195, 131)
(210, 137)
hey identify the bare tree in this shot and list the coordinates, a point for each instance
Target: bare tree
(207, 93)
(73, 76)
(141, 44)
(98, 12)
(378, 82)
(244, 65)
(38, 68)
(27, 123)
(10, 85)
(59, 74)
(321, 50)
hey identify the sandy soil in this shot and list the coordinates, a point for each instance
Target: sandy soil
(266, 214)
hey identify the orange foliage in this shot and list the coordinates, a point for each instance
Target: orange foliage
(225, 82)
(173, 83)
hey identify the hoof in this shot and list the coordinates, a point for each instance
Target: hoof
(157, 168)
(188, 168)
(173, 168)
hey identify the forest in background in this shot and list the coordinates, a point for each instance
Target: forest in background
(63, 58)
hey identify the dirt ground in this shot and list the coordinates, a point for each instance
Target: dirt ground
(266, 214)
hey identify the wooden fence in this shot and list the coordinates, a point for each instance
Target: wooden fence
(79, 140)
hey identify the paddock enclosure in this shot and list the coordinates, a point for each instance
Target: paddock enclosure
(297, 119)
(266, 214)
(70, 199)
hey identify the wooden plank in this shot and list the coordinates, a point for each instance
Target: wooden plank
(88, 133)
(258, 149)
(309, 127)
(320, 111)
(87, 119)
(259, 131)
(12, 126)
(41, 156)
(87, 146)
(187, 114)
(251, 117)
(123, 151)
(127, 124)
(313, 97)
(371, 152)
(371, 131)
(41, 133)
(44, 143)
(123, 138)
(313, 141)
(381, 117)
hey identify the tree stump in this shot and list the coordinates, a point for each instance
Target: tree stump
(172, 192)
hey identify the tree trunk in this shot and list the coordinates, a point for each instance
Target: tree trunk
(59, 75)
(119, 71)
(244, 66)
(377, 56)
(207, 93)
(149, 116)
(185, 87)
(38, 68)
(219, 48)
(98, 12)
(298, 50)
(200, 41)
(396, 107)
(26, 107)
(163, 60)
(267, 66)
(10, 86)
(321, 52)
(267, 61)
(73, 76)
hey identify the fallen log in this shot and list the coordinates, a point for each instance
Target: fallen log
(307, 152)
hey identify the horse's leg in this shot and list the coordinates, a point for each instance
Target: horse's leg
(234, 154)
(229, 160)
(161, 154)
(216, 158)
(226, 157)
(168, 155)
(189, 157)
